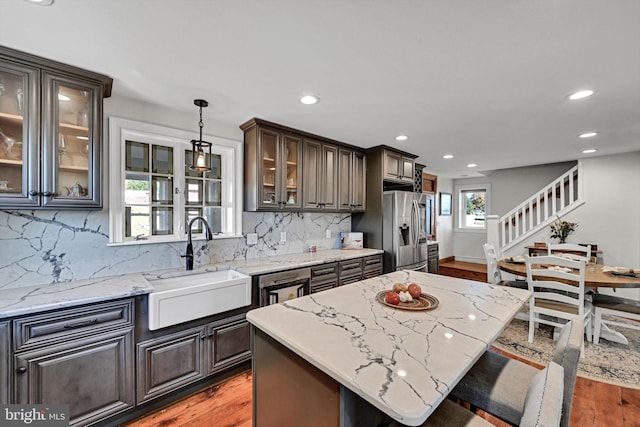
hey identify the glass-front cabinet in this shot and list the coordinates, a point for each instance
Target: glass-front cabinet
(50, 134)
(273, 169)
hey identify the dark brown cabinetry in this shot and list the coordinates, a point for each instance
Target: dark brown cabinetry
(398, 167)
(273, 162)
(371, 266)
(78, 358)
(50, 133)
(288, 169)
(353, 180)
(323, 277)
(433, 258)
(349, 271)
(332, 274)
(5, 362)
(320, 184)
(169, 362)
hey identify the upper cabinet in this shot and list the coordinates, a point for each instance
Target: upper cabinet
(353, 180)
(287, 169)
(50, 133)
(398, 166)
(320, 182)
(273, 162)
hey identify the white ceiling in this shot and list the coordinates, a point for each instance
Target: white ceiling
(485, 80)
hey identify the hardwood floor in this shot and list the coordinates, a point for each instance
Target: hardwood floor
(229, 405)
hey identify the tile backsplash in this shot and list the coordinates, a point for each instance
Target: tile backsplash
(42, 247)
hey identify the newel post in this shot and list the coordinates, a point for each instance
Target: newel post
(493, 235)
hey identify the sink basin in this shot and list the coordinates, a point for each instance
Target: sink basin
(183, 298)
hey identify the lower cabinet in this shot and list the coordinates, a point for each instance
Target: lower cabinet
(93, 375)
(349, 271)
(169, 362)
(323, 277)
(372, 266)
(5, 362)
(172, 361)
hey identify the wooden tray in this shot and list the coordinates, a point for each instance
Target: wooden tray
(423, 302)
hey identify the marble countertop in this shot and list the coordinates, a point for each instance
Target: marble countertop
(402, 362)
(33, 299)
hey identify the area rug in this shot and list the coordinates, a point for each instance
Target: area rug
(607, 361)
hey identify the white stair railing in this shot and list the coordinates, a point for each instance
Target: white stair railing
(536, 212)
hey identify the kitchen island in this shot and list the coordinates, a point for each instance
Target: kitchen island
(342, 358)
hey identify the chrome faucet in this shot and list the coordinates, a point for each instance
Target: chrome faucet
(208, 235)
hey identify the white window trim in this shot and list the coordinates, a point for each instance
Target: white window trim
(457, 208)
(121, 130)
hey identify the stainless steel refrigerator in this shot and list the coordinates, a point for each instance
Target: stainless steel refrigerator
(404, 237)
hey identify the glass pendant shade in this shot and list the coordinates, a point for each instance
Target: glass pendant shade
(200, 150)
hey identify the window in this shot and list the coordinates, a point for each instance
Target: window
(153, 194)
(472, 206)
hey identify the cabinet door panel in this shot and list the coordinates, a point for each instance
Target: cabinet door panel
(359, 182)
(93, 376)
(229, 344)
(391, 165)
(71, 134)
(344, 178)
(291, 180)
(312, 161)
(407, 169)
(5, 362)
(329, 177)
(19, 130)
(167, 363)
(268, 170)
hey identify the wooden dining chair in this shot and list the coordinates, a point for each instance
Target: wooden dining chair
(613, 306)
(558, 293)
(496, 384)
(493, 272)
(542, 407)
(570, 250)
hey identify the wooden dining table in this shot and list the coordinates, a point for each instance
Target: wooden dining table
(593, 277)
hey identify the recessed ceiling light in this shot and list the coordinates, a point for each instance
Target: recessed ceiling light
(471, 165)
(581, 94)
(402, 138)
(309, 99)
(62, 97)
(40, 2)
(448, 156)
(588, 134)
(589, 151)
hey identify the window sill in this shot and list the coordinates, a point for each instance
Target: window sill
(173, 240)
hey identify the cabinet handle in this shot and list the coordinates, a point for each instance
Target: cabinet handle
(47, 194)
(21, 370)
(80, 324)
(34, 193)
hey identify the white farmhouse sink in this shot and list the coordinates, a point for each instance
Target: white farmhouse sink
(183, 298)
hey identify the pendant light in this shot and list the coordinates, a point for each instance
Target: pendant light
(200, 159)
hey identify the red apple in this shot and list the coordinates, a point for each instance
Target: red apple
(392, 298)
(414, 290)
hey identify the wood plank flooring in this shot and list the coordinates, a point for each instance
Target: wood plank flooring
(229, 405)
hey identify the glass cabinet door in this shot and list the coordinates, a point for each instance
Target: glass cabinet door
(291, 180)
(19, 150)
(270, 169)
(71, 155)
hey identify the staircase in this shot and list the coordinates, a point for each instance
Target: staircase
(545, 206)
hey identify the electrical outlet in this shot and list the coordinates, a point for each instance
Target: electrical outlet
(283, 236)
(252, 238)
(328, 234)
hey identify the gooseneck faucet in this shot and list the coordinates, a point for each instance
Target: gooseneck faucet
(208, 235)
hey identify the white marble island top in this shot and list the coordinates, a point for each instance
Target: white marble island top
(402, 362)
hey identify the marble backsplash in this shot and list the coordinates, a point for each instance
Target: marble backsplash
(41, 247)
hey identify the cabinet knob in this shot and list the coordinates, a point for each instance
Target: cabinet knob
(34, 193)
(21, 370)
(47, 194)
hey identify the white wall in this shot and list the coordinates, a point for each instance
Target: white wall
(509, 187)
(444, 224)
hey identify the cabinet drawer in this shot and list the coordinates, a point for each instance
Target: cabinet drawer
(321, 272)
(372, 273)
(432, 249)
(350, 267)
(372, 262)
(323, 287)
(34, 331)
(350, 279)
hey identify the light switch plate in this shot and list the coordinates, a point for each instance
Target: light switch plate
(283, 236)
(328, 234)
(252, 238)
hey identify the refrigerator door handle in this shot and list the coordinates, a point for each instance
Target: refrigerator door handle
(417, 228)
